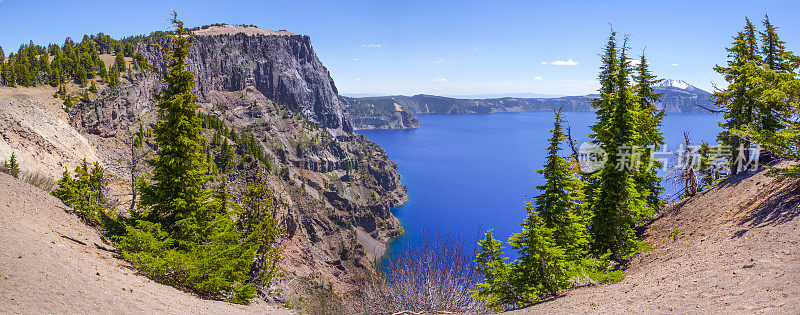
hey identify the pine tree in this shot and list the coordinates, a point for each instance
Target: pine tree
(560, 201)
(649, 128)
(13, 166)
(554, 237)
(543, 265)
(740, 98)
(180, 227)
(119, 61)
(498, 289)
(93, 88)
(775, 131)
(113, 77)
(616, 200)
(2, 55)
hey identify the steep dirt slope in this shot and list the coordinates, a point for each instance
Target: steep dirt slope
(50, 262)
(733, 248)
(38, 131)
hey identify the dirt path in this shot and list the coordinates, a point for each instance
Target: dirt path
(50, 262)
(736, 249)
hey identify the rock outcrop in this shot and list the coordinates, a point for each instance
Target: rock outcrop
(281, 66)
(334, 187)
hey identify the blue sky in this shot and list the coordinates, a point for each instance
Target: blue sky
(442, 47)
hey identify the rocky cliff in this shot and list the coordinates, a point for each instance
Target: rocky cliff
(381, 113)
(279, 113)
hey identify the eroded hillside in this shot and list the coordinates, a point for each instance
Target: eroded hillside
(732, 248)
(281, 115)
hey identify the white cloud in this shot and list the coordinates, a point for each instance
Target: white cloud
(568, 62)
(441, 60)
(544, 62)
(356, 59)
(372, 45)
(634, 62)
(357, 79)
(673, 64)
(538, 78)
(441, 80)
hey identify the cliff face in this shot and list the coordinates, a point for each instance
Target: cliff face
(379, 113)
(282, 67)
(334, 188)
(376, 112)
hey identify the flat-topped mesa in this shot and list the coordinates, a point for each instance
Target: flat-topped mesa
(226, 29)
(280, 65)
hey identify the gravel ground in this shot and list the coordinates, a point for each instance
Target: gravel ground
(50, 262)
(736, 249)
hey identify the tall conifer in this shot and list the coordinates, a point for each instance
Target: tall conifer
(617, 202)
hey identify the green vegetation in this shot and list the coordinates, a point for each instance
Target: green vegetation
(11, 167)
(84, 192)
(760, 102)
(578, 231)
(181, 233)
(74, 62)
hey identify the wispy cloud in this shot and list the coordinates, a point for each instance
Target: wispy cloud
(357, 79)
(673, 64)
(372, 45)
(544, 62)
(354, 59)
(538, 78)
(441, 60)
(568, 62)
(441, 80)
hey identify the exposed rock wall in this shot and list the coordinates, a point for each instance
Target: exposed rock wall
(284, 68)
(335, 188)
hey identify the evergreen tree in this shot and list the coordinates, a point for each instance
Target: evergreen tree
(779, 93)
(739, 99)
(119, 61)
(560, 201)
(93, 88)
(554, 237)
(258, 216)
(2, 55)
(649, 128)
(498, 289)
(13, 166)
(180, 227)
(616, 200)
(113, 77)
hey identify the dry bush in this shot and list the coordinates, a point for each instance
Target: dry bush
(38, 180)
(437, 276)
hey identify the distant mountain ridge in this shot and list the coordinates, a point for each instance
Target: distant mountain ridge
(397, 112)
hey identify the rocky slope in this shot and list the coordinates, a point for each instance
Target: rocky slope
(51, 262)
(734, 248)
(381, 113)
(335, 188)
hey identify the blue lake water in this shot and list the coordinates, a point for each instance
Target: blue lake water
(469, 173)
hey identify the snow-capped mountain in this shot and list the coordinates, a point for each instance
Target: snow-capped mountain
(681, 97)
(680, 84)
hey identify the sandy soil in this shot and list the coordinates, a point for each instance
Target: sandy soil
(50, 262)
(236, 29)
(736, 250)
(37, 130)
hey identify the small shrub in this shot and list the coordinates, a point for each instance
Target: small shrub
(674, 234)
(84, 192)
(39, 180)
(11, 167)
